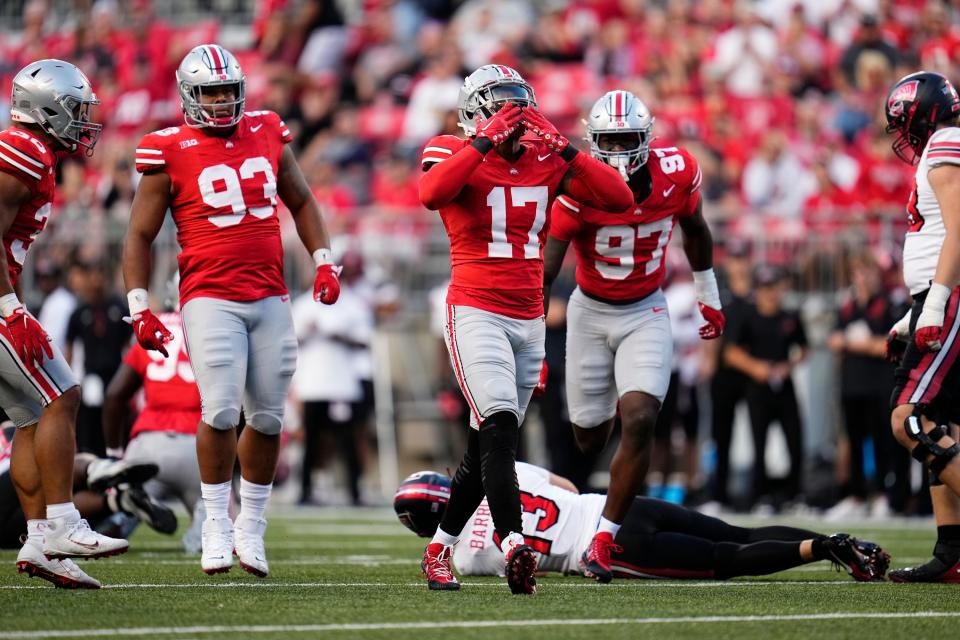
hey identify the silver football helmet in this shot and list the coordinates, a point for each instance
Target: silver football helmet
(205, 67)
(487, 89)
(619, 112)
(56, 96)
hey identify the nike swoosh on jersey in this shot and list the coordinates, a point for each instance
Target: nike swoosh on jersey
(658, 309)
(256, 128)
(542, 158)
(667, 192)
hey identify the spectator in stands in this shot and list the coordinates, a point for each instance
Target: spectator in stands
(58, 302)
(766, 346)
(432, 97)
(744, 54)
(326, 37)
(775, 182)
(866, 381)
(869, 39)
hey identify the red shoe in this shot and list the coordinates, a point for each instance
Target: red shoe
(436, 567)
(521, 569)
(595, 561)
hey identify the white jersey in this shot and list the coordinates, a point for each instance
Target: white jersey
(926, 233)
(557, 524)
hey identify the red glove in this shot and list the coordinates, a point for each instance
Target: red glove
(500, 125)
(542, 383)
(894, 348)
(326, 288)
(715, 322)
(27, 336)
(537, 124)
(150, 332)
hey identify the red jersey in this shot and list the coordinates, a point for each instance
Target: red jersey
(25, 156)
(620, 256)
(224, 203)
(172, 396)
(497, 226)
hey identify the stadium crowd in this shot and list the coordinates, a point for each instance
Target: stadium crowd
(779, 100)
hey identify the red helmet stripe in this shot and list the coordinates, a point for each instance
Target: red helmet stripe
(216, 57)
(620, 112)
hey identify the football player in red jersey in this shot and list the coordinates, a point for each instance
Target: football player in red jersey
(50, 109)
(493, 191)
(220, 177)
(923, 109)
(619, 346)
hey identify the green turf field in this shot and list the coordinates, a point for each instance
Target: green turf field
(355, 574)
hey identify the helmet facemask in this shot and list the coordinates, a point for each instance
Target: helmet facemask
(80, 131)
(200, 113)
(625, 151)
(489, 89)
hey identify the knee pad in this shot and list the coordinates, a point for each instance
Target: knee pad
(501, 431)
(927, 443)
(268, 424)
(224, 419)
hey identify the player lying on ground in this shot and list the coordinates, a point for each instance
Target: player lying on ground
(657, 539)
(101, 488)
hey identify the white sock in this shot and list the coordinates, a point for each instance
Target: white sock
(512, 540)
(35, 529)
(610, 527)
(65, 511)
(444, 538)
(253, 500)
(216, 499)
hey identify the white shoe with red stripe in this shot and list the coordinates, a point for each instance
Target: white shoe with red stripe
(63, 573)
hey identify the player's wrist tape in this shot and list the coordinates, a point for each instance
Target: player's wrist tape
(937, 297)
(322, 256)
(706, 284)
(139, 301)
(9, 303)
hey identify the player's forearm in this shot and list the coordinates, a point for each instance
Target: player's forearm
(598, 185)
(311, 228)
(445, 180)
(948, 265)
(137, 260)
(698, 246)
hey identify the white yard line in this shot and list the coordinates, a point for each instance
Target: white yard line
(490, 624)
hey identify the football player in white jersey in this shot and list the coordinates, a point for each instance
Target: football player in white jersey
(922, 110)
(659, 539)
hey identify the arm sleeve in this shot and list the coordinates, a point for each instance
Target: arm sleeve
(446, 171)
(564, 223)
(598, 185)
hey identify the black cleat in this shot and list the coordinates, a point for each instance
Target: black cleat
(863, 560)
(134, 501)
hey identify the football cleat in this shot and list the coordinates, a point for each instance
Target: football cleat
(77, 540)
(436, 567)
(104, 473)
(248, 545)
(863, 560)
(134, 501)
(943, 567)
(595, 561)
(520, 567)
(62, 572)
(217, 552)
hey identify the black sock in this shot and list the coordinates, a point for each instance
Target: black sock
(947, 548)
(949, 533)
(466, 489)
(819, 551)
(781, 534)
(757, 559)
(499, 435)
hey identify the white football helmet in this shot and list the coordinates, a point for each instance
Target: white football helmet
(56, 96)
(207, 66)
(615, 113)
(487, 89)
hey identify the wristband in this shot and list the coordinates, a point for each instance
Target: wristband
(706, 284)
(322, 256)
(936, 301)
(569, 152)
(139, 301)
(8, 304)
(483, 145)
